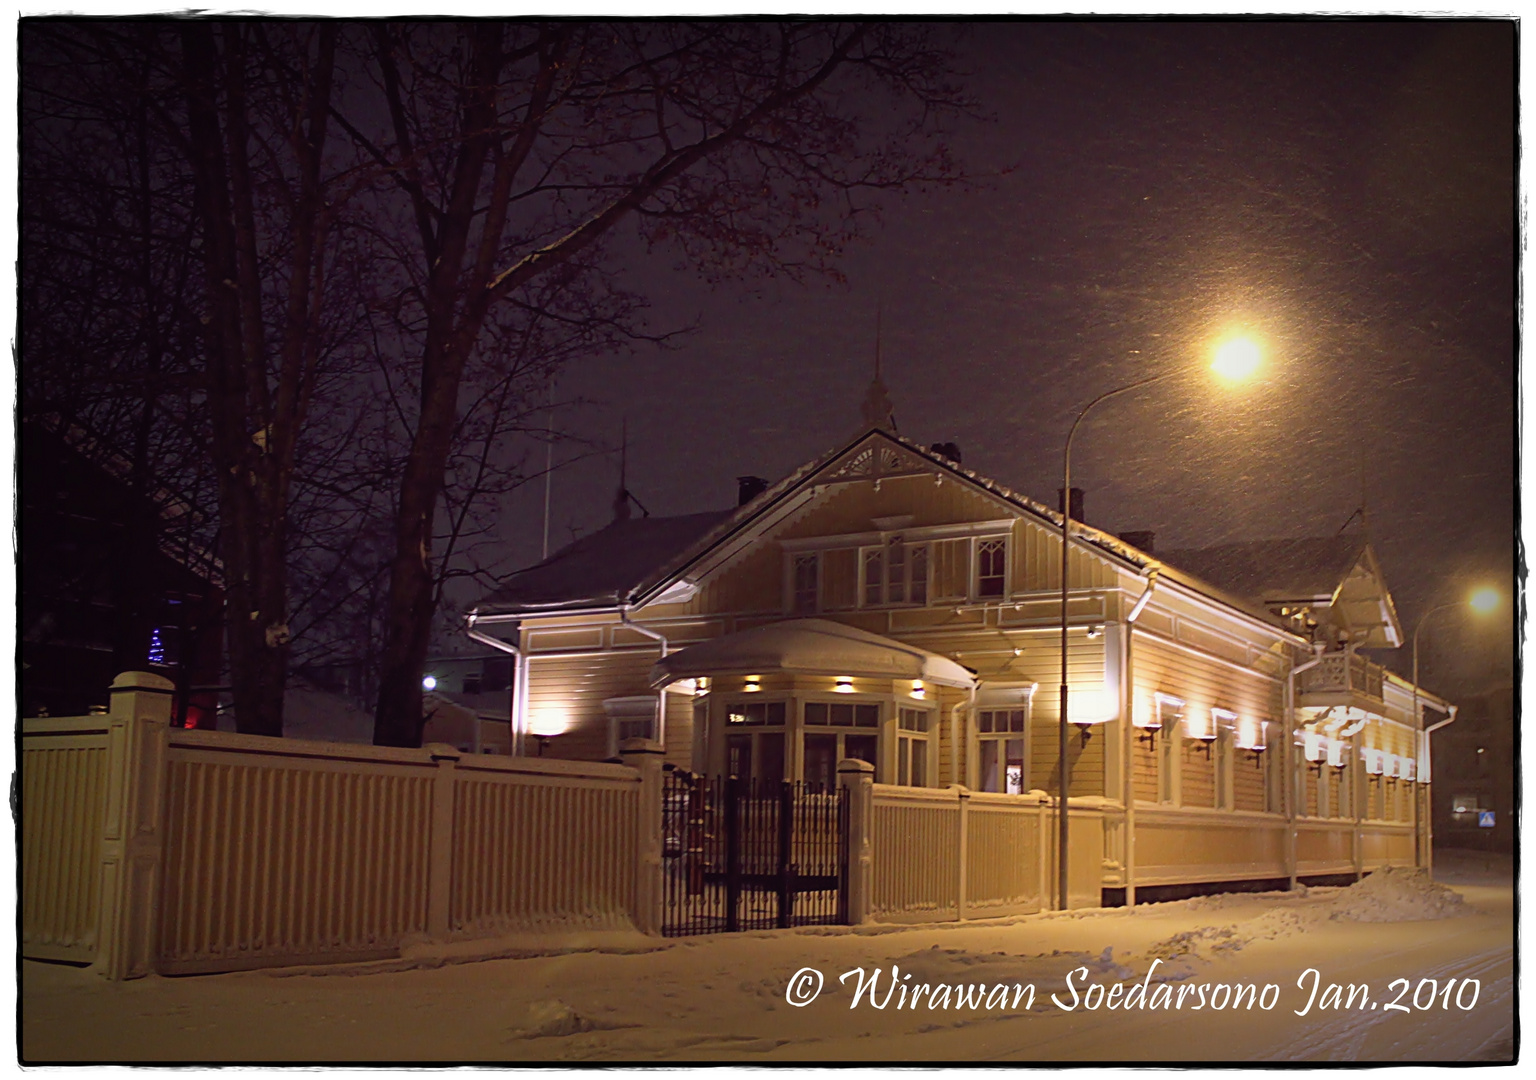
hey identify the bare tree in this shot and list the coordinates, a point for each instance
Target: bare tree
(520, 148)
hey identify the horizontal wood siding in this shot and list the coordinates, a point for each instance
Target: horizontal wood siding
(752, 582)
(571, 690)
(1249, 778)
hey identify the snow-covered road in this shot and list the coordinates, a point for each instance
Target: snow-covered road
(723, 998)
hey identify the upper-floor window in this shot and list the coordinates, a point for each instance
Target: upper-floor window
(991, 567)
(807, 579)
(896, 572)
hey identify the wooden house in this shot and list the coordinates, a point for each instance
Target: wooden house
(885, 603)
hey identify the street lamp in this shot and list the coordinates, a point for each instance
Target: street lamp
(1234, 359)
(1483, 601)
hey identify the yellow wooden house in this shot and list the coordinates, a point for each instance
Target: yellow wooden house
(885, 603)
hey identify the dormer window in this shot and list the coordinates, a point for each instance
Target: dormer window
(896, 572)
(807, 580)
(991, 568)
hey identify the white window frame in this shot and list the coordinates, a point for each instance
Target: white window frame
(635, 710)
(793, 560)
(879, 594)
(877, 732)
(910, 741)
(975, 582)
(783, 729)
(1004, 737)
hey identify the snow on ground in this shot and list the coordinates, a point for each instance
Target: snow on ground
(1050, 987)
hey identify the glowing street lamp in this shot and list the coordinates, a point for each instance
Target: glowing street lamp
(1234, 359)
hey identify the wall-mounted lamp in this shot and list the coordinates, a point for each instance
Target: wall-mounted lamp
(918, 690)
(844, 684)
(752, 684)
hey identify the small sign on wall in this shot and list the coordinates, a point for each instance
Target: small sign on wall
(1485, 819)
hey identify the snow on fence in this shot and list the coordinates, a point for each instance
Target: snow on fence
(147, 848)
(958, 854)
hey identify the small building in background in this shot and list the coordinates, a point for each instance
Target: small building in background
(113, 578)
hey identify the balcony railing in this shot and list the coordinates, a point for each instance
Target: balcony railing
(1340, 673)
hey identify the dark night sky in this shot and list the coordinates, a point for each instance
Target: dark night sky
(1345, 189)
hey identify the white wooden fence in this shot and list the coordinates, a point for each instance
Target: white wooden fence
(147, 848)
(949, 854)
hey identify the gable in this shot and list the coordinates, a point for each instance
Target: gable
(867, 497)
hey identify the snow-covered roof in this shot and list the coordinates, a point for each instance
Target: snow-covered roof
(633, 562)
(1306, 568)
(809, 646)
(603, 569)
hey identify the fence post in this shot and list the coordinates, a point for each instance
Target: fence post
(858, 779)
(130, 841)
(644, 756)
(963, 797)
(440, 841)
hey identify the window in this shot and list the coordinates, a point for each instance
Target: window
(918, 575)
(835, 730)
(895, 573)
(874, 562)
(754, 740)
(756, 714)
(1001, 749)
(806, 583)
(630, 718)
(991, 567)
(840, 714)
(912, 747)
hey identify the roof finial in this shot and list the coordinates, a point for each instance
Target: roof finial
(877, 411)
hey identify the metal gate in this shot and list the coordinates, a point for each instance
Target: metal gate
(751, 855)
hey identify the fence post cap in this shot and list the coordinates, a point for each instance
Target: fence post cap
(441, 751)
(640, 746)
(854, 765)
(129, 681)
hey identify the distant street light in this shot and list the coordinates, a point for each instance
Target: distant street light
(1234, 359)
(1483, 601)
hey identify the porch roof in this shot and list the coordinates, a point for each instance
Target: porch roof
(809, 646)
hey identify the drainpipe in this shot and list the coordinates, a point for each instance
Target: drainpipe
(1429, 826)
(661, 695)
(1288, 786)
(1128, 740)
(519, 679)
(963, 749)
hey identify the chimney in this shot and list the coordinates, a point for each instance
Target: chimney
(1140, 539)
(749, 488)
(1077, 504)
(946, 450)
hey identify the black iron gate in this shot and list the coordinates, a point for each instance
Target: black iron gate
(751, 855)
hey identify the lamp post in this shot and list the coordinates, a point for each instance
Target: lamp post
(1482, 602)
(1235, 359)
